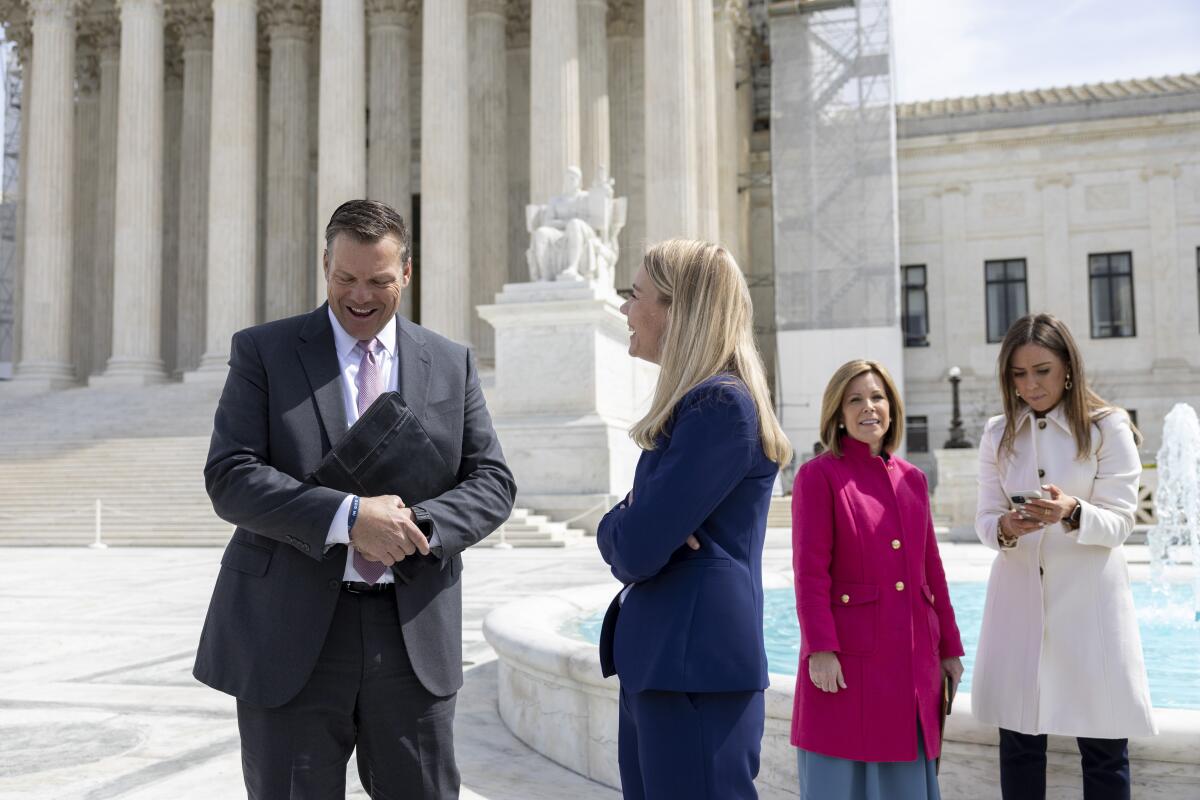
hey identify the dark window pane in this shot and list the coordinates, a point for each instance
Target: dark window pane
(1120, 263)
(1101, 313)
(918, 434)
(1097, 265)
(1123, 306)
(995, 312)
(1016, 270)
(994, 271)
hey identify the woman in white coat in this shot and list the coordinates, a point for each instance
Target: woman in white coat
(1059, 651)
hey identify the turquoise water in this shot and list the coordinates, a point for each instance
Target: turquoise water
(1170, 636)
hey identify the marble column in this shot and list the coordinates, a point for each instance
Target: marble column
(108, 44)
(1170, 267)
(232, 183)
(489, 167)
(389, 98)
(20, 33)
(288, 273)
(626, 82)
(670, 120)
(45, 360)
(708, 223)
(195, 28)
(137, 253)
(726, 21)
(342, 136)
(960, 278)
(594, 125)
(517, 139)
(87, 126)
(1056, 253)
(744, 94)
(172, 154)
(445, 160)
(553, 96)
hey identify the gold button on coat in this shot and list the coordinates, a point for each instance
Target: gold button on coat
(899, 586)
(845, 598)
(895, 544)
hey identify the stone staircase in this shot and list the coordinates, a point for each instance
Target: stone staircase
(150, 492)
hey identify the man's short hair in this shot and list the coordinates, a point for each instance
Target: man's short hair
(368, 221)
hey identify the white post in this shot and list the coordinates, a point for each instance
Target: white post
(98, 544)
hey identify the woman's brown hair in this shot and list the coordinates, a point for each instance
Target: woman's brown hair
(1081, 405)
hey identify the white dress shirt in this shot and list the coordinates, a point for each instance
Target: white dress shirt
(348, 361)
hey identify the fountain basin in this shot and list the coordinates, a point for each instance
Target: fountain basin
(553, 698)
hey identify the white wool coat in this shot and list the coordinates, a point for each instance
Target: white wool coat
(1059, 651)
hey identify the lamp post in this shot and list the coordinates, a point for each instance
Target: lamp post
(957, 440)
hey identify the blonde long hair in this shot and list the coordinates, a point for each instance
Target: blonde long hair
(835, 394)
(709, 331)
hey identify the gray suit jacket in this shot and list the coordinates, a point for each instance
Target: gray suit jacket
(280, 413)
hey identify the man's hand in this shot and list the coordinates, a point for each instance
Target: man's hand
(385, 531)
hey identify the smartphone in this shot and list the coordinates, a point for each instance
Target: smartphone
(1021, 498)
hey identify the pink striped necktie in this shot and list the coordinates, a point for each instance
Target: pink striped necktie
(369, 383)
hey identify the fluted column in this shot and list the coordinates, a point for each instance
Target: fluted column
(45, 360)
(232, 182)
(1167, 271)
(342, 137)
(626, 107)
(553, 96)
(489, 170)
(670, 120)
(108, 44)
(708, 225)
(726, 20)
(87, 127)
(137, 252)
(20, 33)
(445, 160)
(594, 129)
(172, 154)
(389, 138)
(195, 27)
(517, 136)
(288, 272)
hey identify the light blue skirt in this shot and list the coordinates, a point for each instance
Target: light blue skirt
(829, 778)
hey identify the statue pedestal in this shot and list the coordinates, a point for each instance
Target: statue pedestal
(957, 494)
(566, 393)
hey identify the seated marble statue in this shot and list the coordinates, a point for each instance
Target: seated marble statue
(574, 236)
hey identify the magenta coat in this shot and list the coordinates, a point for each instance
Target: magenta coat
(869, 586)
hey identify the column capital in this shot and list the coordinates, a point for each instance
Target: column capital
(20, 33)
(173, 62)
(87, 68)
(288, 19)
(498, 8)
(54, 9)
(393, 12)
(1063, 179)
(624, 18)
(190, 22)
(733, 10)
(518, 23)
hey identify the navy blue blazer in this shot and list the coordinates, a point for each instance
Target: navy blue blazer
(693, 621)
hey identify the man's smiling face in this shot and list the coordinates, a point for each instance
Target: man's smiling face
(364, 282)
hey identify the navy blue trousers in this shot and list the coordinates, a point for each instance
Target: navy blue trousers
(1023, 767)
(702, 746)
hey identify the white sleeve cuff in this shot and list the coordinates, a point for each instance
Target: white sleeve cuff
(338, 532)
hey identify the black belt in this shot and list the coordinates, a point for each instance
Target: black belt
(359, 587)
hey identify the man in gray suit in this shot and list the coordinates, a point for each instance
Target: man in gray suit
(336, 620)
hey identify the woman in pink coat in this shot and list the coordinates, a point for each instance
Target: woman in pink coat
(877, 632)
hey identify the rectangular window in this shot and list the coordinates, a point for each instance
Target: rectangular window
(1110, 277)
(915, 306)
(1007, 295)
(917, 429)
(1132, 412)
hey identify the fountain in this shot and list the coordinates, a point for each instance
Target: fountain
(1177, 498)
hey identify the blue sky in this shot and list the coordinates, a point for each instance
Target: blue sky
(953, 48)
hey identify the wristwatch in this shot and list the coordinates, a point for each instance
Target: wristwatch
(1072, 521)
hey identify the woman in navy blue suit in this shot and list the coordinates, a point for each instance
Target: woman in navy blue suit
(685, 635)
